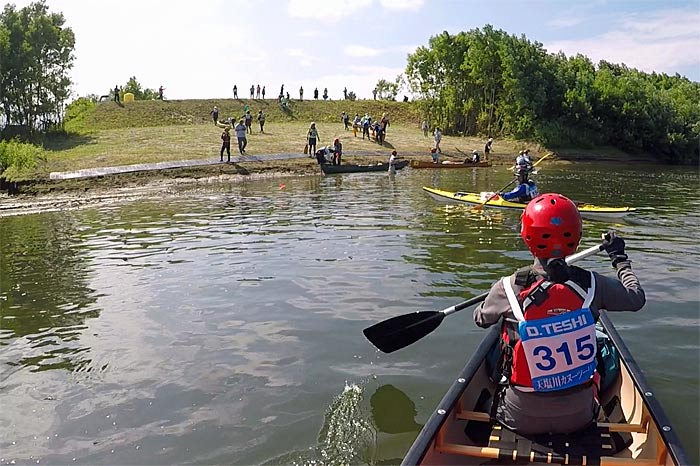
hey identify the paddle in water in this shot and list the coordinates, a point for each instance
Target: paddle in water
(481, 206)
(404, 330)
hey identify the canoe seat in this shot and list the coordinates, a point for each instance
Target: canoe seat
(593, 446)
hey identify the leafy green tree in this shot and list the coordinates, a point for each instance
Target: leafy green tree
(36, 54)
(387, 90)
(140, 93)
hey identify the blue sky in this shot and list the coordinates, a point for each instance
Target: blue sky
(201, 49)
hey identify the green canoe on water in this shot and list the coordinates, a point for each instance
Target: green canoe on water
(587, 210)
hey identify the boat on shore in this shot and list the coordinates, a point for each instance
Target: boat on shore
(448, 164)
(636, 430)
(329, 169)
(588, 210)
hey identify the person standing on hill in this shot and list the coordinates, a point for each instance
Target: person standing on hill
(257, 92)
(437, 137)
(235, 91)
(215, 114)
(374, 93)
(312, 137)
(263, 92)
(225, 144)
(301, 93)
(547, 365)
(241, 131)
(345, 93)
(325, 93)
(252, 91)
(160, 92)
(316, 93)
(116, 93)
(261, 121)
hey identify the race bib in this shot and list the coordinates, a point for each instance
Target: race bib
(560, 350)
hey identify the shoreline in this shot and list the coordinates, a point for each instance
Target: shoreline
(37, 196)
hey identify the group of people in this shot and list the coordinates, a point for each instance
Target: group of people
(242, 127)
(257, 92)
(377, 128)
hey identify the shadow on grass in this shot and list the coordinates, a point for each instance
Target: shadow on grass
(63, 141)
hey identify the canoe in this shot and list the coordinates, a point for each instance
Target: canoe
(350, 168)
(635, 432)
(587, 210)
(427, 164)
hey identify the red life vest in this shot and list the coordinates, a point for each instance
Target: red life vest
(541, 300)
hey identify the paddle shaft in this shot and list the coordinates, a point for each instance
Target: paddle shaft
(477, 299)
(403, 330)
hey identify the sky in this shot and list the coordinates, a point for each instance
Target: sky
(200, 49)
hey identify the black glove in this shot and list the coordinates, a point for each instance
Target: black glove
(615, 247)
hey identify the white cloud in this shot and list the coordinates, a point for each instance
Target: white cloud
(361, 51)
(326, 10)
(662, 41)
(399, 5)
(567, 22)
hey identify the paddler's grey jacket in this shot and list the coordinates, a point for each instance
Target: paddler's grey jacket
(531, 412)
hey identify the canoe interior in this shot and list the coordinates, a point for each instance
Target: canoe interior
(459, 432)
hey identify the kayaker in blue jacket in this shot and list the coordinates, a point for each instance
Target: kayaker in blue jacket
(526, 189)
(547, 313)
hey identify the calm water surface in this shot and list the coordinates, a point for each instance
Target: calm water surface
(222, 324)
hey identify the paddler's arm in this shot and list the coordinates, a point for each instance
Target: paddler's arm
(494, 307)
(625, 293)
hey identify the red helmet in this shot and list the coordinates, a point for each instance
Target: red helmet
(551, 226)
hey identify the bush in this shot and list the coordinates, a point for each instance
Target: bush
(17, 158)
(77, 112)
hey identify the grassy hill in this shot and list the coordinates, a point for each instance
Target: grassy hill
(141, 114)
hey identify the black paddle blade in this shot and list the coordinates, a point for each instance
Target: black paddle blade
(400, 331)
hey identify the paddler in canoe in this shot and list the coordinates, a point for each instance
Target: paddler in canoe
(547, 313)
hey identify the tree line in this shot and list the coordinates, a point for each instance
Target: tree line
(485, 81)
(36, 54)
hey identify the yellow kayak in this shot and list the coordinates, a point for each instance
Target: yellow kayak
(588, 210)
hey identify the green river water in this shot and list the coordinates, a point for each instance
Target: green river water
(222, 323)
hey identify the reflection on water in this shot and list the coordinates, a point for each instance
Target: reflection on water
(217, 324)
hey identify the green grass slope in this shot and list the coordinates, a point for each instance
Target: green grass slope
(139, 114)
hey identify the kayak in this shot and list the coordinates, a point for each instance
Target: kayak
(636, 430)
(350, 168)
(588, 210)
(447, 164)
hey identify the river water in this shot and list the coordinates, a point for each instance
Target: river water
(222, 323)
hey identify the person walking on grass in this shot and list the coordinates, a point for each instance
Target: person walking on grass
(424, 126)
(346, 120)
(241, 131)
(215, 114)
(312, 137)
(261, 121)
(248, 121)
(225, 144)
